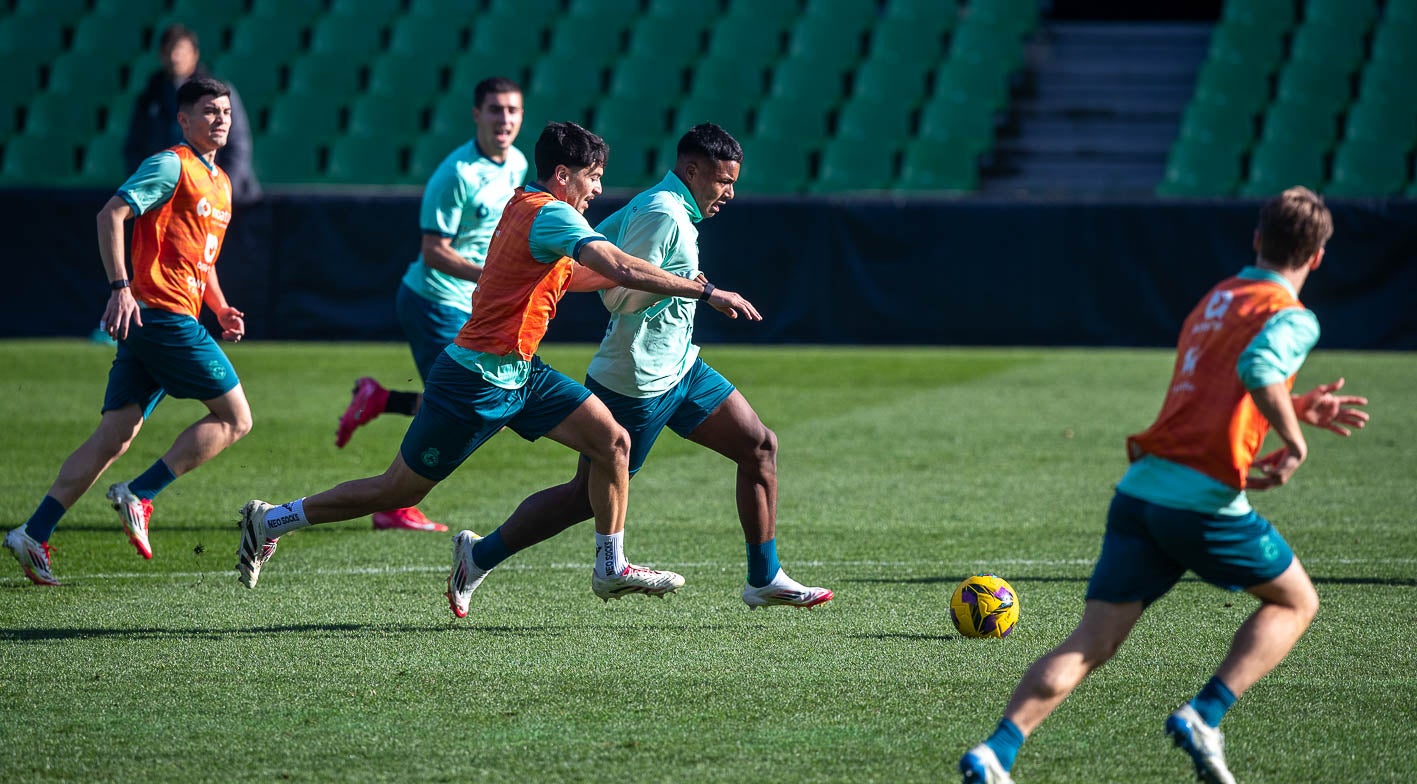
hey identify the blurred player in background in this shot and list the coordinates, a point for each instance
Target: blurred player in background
(1182, 505)
(461, 206)
(649, 374)
(490, 376)
(182, 203)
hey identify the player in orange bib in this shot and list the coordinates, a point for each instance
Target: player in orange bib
(1182, 504)
(180, 201)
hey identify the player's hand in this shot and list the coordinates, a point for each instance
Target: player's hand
(1275, 468)
(1321, 408)
(233, 324)
(122, 310)
(732, 305)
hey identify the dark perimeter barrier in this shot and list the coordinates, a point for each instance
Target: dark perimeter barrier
(325, 266)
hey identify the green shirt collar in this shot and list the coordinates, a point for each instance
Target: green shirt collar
(1257, 273)
(676, 186)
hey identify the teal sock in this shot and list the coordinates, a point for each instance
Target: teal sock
(152, 481)
(1006, 741)
(1213, 701)
(490, 550)
(762, 562)
(41, 524)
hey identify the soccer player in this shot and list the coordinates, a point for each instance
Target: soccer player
(491, 377)
(1182, 504)
(181, 202)
(461, 206)
(649, 374)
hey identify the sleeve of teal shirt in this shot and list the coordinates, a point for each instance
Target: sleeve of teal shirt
(153, 183)
(651, 235)
(559, 230)
(443, 199)
(1280, 348)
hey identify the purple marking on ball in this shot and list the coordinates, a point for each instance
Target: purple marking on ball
(968, 596)
(990, 621)
(1003, 593)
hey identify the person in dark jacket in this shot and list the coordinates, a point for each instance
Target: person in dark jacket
(152, 127)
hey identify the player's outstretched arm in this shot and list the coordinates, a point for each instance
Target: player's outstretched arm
(122, 308)
(586, 279)
(634, 273)
(1336, 413)
(1275, 468)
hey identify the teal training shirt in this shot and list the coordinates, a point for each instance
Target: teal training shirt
(154, 182)
(558, 230)
(1276, 353)
(648, 346)
(463, 201)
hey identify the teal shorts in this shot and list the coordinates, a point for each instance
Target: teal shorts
(461, 410)
(170, 354)
(682, 409)
(429, 327)
(1148, 547)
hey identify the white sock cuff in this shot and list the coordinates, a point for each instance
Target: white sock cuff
(286, 517)
(610, 553)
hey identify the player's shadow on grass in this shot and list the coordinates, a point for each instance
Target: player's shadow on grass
(1401, 582)
(151, 633)
(117, 528)
(906, 636)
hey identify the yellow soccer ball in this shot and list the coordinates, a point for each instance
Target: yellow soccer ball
(984, 605)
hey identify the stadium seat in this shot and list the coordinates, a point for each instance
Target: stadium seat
(923, 12)
(633, 164)
(810, 82)
(60, 10)
(907, 41)
(38, 161)
(515, 39)
(372, 10)
(85, 71)
(646, 77)
(619, 9)
(318, 115)
(352, 37)
(1258, 47)
(724, 109)
(399, 75)
(979, 83)
(874, 120)
(1277, 165)
(208, 18)
(1196, 169)
(1015, 17)
(256, 78)
(1387, 83)
(640, 119)
(823, 41)
(759, 43)
(776, 14)
(891, 80)
(30, 38)
(1299, 125)
(786, 116)
(63, 117)
(773, 165)
(369, 160)
(933, 167)
(143, 9)
(1396, 44)
(286, 158)
(855, 15)
(295, 13)
(1377, 122)
(428, 152)
(717, 75)
(387, 117)
(848, 165)
(670, 40)
(11, 104)
(1236, 86)
(594, 40)
(570, 83)
(1336, 50)
(274, 37)
(116, 36)
(1272, 13)
(970, 128)
(1367, 169)
(103, 165)
(1307, 83)
(433, 38)
(1341, 16)
(473, 66)
(1219, 125)
(326, 72)
(699, 15)
(980, 43)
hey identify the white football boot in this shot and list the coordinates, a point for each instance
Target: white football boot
(466, 575)
(635, 579)
(1205, 744)
(32, 555)
(257, 546)
(979, 765)
(784, 590)
(135, 513)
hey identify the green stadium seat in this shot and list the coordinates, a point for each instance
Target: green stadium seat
(773, 165)
(725, 109)
(698, 15)
(634, 163)
(60, 10)
(1196, 169)
(534, 120)
(1219, 125)
(388, 117)
(276, 38)
(372, 10)
(208, 18)
(30, 38)
(1396, 44)
(822, 41)
(530, 9)
(257, 78)
(571, 83)
(786, 116)
(594, 40)
(69, 117)
(638, 76)
(472, 67)
(1260, 46)
(318, 115)
(1312, 84)
(295, 13)
(620, 9)
(933, 167)
(11, 105)
(851, 166)
(143, 9)
(1236, 86)
(1299, 124)
(777, 14)
(872, 120)
(516, 38)
(83, 71)
(103, 164)
(38, 161)
(1387, 83)
(908, 41)
(644, 119)
(973, 83)
(1270, 13)
(428, 152)
(1277, 165)
(852, 14)
(1016, 17)
(1367, 169)
(405, 75)
(352, 37)
(715, 75)
(924, 12)
(892, 80)
(286, 158)
(434, 39)
(113, 36)
(669, 40)
(810, 82)
(452, 116)
(325, 72)
(1378, 122)
(980, 43)
(1339, 51)
(1338, 16)
(748, 41)
(368, 160)
(968, 127)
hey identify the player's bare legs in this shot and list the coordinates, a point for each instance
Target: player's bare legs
(397, 486)
(1050, 679)
(593, 432)
(115, 432)
(1288, 604)
(228, 422)
(736, 432)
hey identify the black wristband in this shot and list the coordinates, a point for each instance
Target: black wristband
(117, 285)
(708, 291)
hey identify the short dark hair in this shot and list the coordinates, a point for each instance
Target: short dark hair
(570, 145)
(1293, 227)
(177, 32)
(197, 88)
(492, 86)
(711, 142)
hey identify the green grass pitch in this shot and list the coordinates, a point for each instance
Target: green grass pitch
(902, 470)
